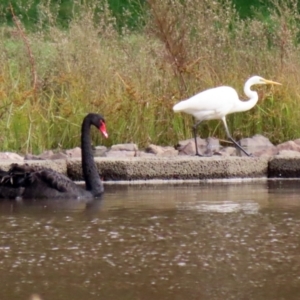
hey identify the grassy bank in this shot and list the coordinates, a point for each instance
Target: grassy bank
(50, 78)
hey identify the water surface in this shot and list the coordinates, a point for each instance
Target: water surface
(179, 241)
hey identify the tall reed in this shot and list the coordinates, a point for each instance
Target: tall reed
(135, 76)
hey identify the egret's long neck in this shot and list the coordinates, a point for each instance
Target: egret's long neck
(252, 95)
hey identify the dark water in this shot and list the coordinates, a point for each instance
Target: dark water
(196, 241)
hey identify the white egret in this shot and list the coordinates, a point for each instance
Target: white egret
(216, 103)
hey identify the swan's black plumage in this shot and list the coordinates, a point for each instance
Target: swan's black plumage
(35, 182)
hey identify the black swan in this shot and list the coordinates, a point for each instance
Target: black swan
(34, 182)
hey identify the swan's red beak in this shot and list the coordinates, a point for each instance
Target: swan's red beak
(102, 128)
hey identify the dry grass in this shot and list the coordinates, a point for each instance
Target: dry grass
(135, 78)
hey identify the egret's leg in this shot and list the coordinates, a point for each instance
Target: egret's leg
(230, 137)
(195, 137)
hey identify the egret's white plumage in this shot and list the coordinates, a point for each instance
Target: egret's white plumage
(216, 103)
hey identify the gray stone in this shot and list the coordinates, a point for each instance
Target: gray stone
(43, 156)
(74, 153)
(144, 154)
(10, 156)
(125, 147)
(289, 145)
(161, 151)
(188, 149)
(297, 141)
(206, 147)
(227, 151)
(100, 151)
(270, 151)
(212, 146)
(255, 143)
(46, 154)
(58, 155)
(32, 157)
(290, 153)
(120, 153)
(200, 142)
(285, 167)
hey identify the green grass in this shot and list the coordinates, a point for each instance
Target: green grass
(134, 78)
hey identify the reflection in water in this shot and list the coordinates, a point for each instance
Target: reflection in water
(196, 241)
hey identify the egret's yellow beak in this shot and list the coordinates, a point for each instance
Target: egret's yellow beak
(266, 81)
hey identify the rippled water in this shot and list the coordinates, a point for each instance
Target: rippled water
(195, 241)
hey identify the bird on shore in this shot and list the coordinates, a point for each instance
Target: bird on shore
(216, 103)
(36, 182)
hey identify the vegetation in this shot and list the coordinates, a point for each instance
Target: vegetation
(51, 75)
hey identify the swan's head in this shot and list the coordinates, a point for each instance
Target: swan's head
(102, 128)
(260, 80)
(97, 121)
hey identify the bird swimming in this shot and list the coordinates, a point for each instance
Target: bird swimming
(216, 103)
(36, 182)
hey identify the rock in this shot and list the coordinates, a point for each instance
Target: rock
(120, 153)
(161, 151)
(206, 147)
(256, 143)
(144, 154)
(30, 156)
(200, 142)
(212, 146)
(289, 148)
(271, 151)
(100, 151)
(49, 154)
(290, 145)
(290, 153)
(125, 147)
(10, 155)
(297, 141)
(122, 150)
(227, 151)
(284, 167)
(58, 155)
(46, 154)
(188, 149)
(74, 153)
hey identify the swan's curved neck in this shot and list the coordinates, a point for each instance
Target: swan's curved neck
(90, 173)
(252, 95)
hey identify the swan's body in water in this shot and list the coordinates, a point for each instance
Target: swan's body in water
(34, 182)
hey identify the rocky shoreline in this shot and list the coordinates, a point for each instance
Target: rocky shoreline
(127, 162)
